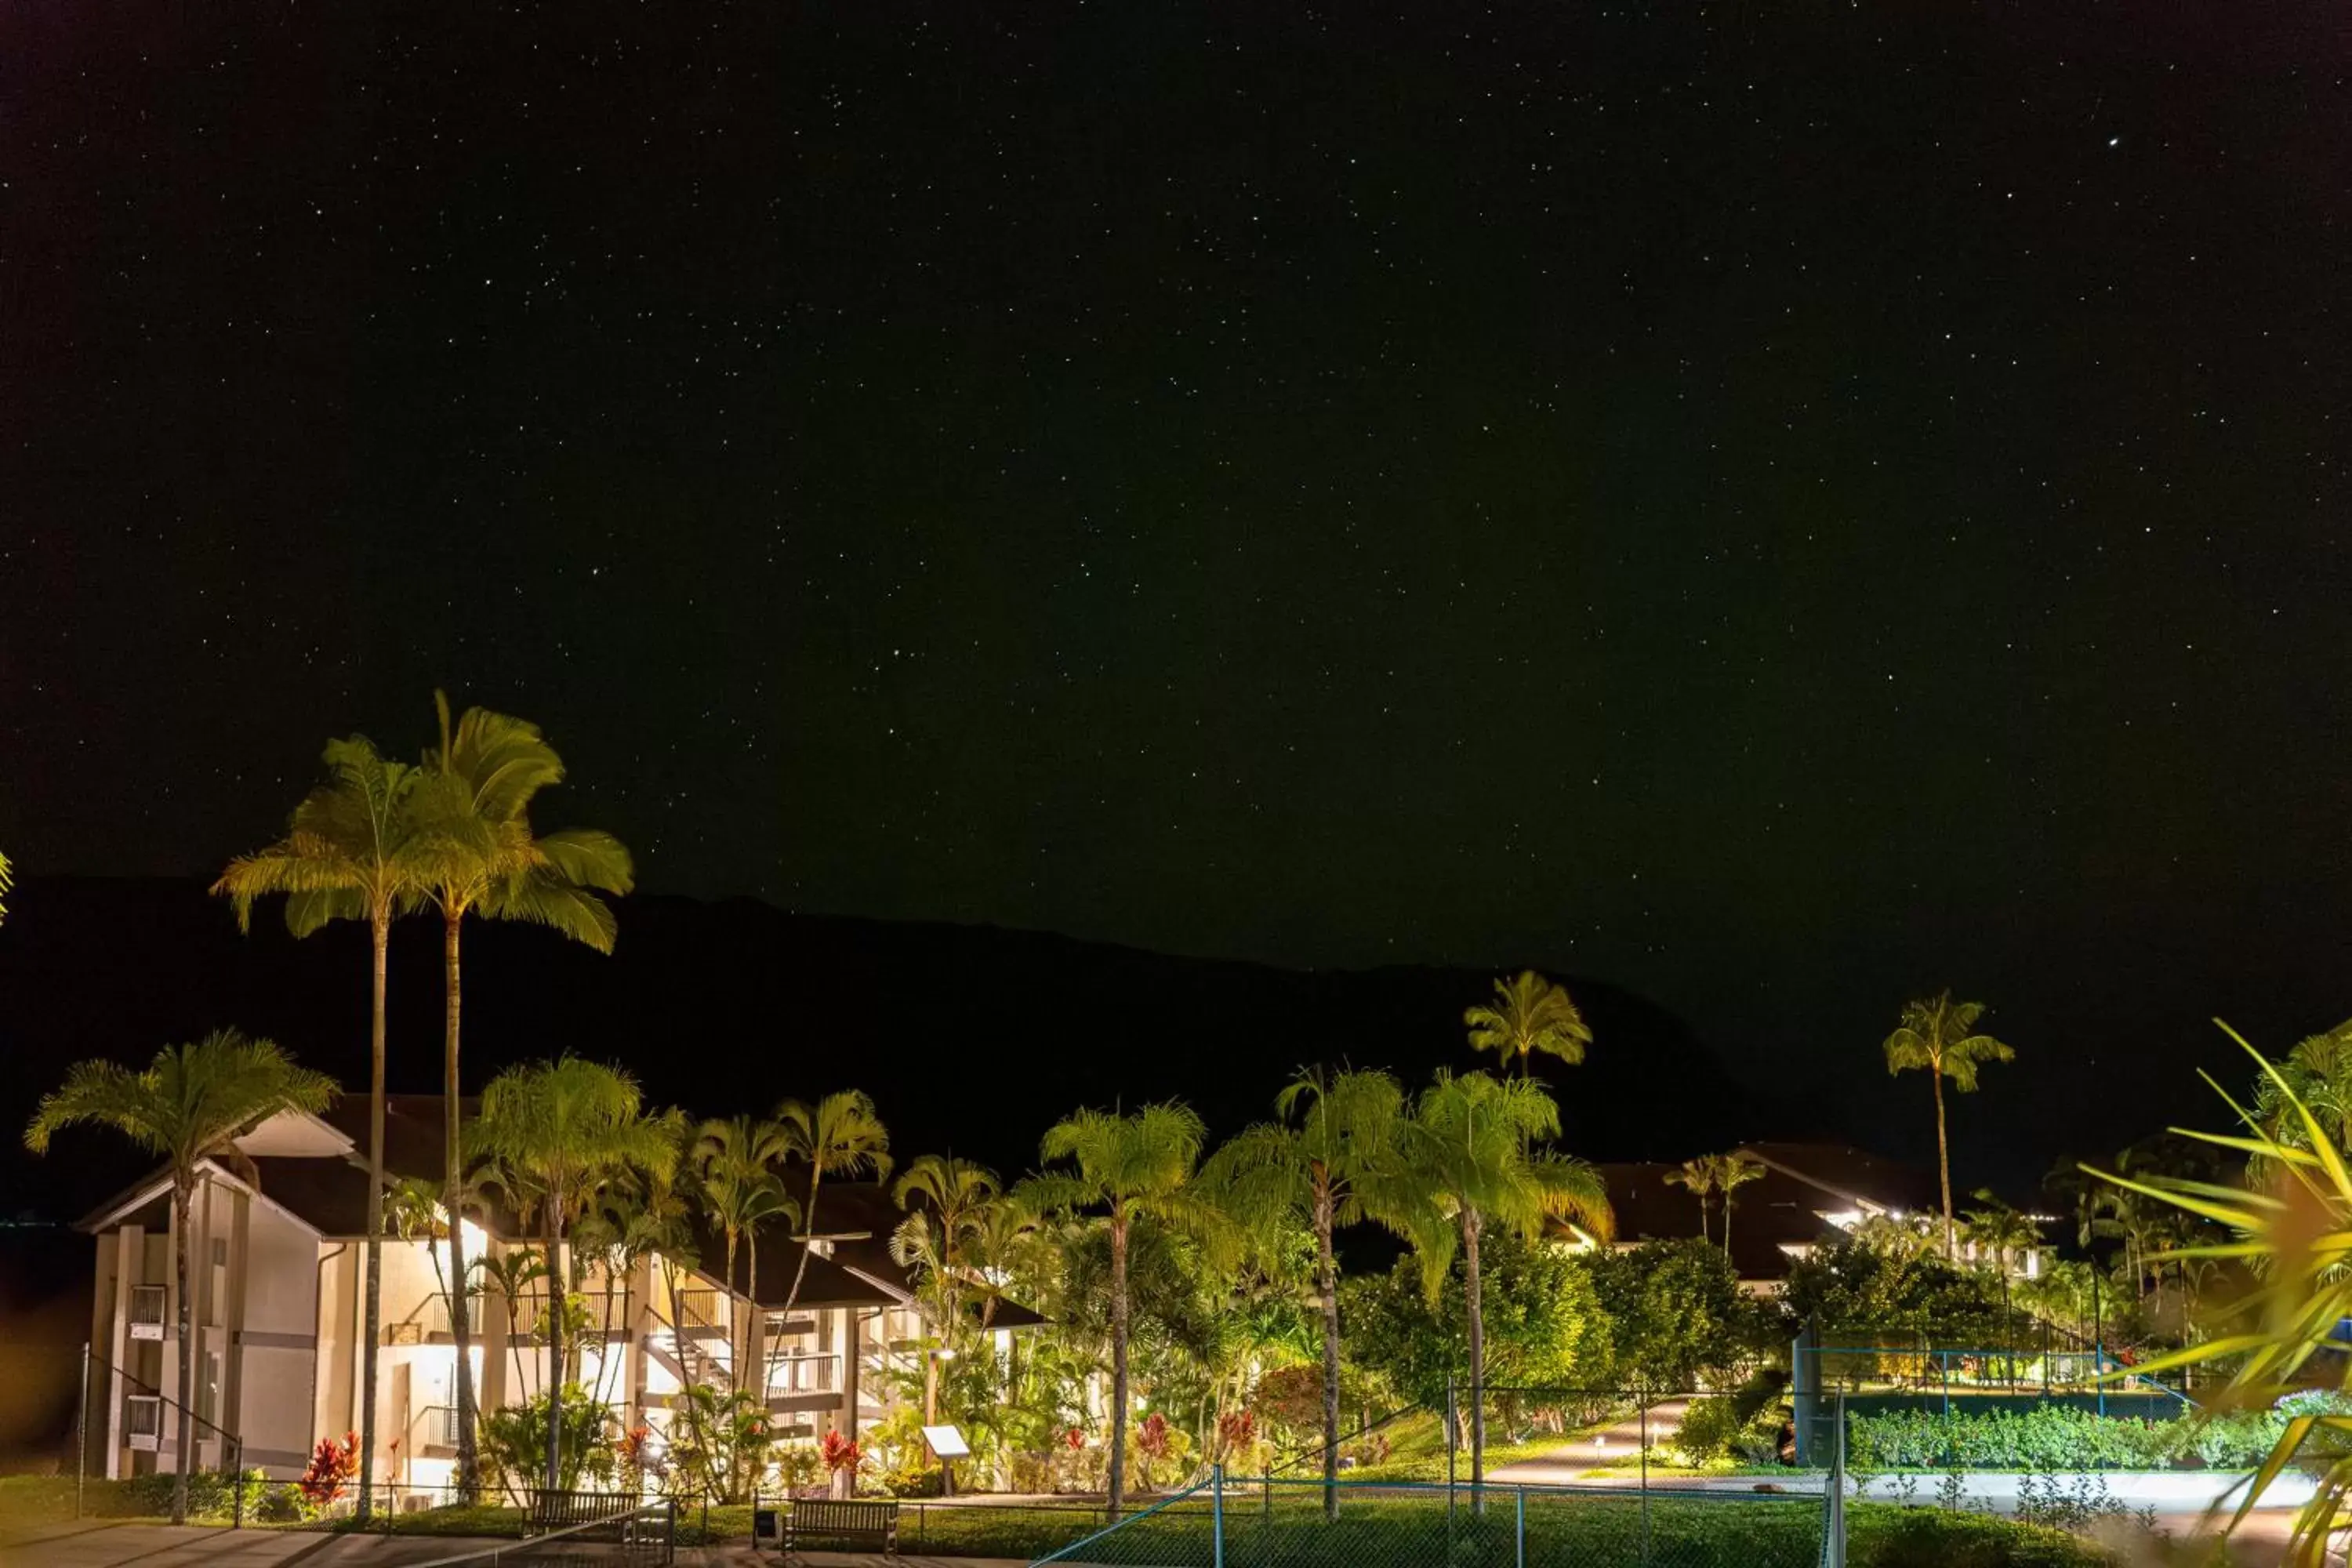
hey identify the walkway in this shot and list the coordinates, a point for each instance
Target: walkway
(111, 1545)
(1573, 1463)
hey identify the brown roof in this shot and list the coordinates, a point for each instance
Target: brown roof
(1780, 1209)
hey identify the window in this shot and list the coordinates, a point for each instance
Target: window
(208, 1389)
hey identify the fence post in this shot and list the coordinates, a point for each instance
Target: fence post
(1644, 1395)
(1834, 1505)
(81, 1430)
(1217, 1516)
(1521, 1555)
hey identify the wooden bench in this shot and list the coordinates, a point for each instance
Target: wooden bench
(829, 1520)
(560, 1511)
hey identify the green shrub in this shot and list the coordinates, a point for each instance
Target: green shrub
(1885, 1535)
(2056, 1438)
(212, 1495)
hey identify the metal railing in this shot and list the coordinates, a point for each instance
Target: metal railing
(1222, 1521)
(166, 1410)
(147, 1312)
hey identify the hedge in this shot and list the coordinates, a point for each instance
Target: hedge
(2054, 1438)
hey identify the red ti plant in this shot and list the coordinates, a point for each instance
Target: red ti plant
(332, 1467)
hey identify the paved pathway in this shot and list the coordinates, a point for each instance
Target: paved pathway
(1574, 1462)
(127, 1545)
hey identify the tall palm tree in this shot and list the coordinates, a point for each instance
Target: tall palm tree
(1530, 1014)
(1697, 1177)
(1333, 1158)
(736, 1163)
(840, 1135)
(1133, 1167)
(474, 804)
(1733, 1171)
(1471, 1147)
(353, 850)
(187, 1106)
(555, 1134)
(1939, 1036)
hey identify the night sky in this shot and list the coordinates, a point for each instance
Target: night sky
(1779, 506)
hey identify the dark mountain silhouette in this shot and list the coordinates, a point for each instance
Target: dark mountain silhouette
(969, 1038)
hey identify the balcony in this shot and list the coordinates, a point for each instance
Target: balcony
(435, 1431)
(142, 1421)
(701, 1312)
(809, 1381)
(607, 1314)
(146, 1316)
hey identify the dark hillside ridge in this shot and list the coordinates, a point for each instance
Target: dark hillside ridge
(972, 1038)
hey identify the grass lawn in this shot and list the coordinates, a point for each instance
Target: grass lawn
(31, 1502)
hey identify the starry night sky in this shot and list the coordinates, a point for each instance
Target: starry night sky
(1777, 505)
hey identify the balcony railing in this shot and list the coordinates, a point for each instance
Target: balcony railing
(142, 1420)
(436, 1427)
(702, 1309)
(604, 1308)
(815, 1372)
(147, 1304)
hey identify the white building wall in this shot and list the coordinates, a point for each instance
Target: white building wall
(277, 1343)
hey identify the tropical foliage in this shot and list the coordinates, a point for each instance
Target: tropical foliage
(1529, 1015)
(185, 1107)
(1940, 1037)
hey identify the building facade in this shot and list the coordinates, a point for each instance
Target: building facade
(276, 1284)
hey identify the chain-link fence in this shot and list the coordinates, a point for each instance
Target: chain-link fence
(1406, 1524)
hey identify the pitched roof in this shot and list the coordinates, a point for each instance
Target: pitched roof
(1787, 1206)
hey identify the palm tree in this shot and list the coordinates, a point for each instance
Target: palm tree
(352, 851)
(1340, 1164)
(188, 1106)
(2318, 1072)
(1132, 1167)
(555, 1133)
(1733, 1171)
(1938, 1035)
(736, 1162)
(1470, 1145)
(956, 1195)
(840, 1135)
(1697, 1178)
(474, 803)
(1530, 1014)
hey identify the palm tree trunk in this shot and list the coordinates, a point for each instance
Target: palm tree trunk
(752, 1290)
(188, 1425)
(1727, 1227)
(380, 935)
(799, 1269)
(556, 1296)
(1943, 1155)
(736, 1349)
(1477, 1348)
(1327, 1281)
(1117, 1363)
(469, 1474)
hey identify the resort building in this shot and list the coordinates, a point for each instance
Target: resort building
(276, 1282)
(1809, 1194)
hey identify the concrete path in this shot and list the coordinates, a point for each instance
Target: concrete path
(125, 1545)
(1573, 1463)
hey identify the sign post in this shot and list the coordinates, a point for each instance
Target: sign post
(947, 1443)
